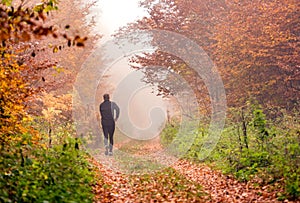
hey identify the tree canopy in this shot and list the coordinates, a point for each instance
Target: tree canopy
(255, 46)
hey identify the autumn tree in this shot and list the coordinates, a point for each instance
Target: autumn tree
(257, 49)
(66, 60)
(21, 26)
(193, 19)
(254, 46)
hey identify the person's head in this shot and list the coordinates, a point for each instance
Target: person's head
(106, 97)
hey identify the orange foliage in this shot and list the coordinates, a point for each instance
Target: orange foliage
(20, 25)
(257, 49)
(255, 45)
(14, 92)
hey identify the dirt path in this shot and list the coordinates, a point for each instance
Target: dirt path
(111, 185)
(116, 186)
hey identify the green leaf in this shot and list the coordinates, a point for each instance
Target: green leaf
(6, 2)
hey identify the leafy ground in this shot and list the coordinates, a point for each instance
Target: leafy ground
(183, 181)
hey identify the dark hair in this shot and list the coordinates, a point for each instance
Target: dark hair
(106, 96)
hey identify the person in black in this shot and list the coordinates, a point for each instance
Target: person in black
(108, 118)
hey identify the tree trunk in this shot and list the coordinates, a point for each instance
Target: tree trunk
(244, 128)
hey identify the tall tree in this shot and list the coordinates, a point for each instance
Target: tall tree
(258, 46)
(21, 26)
(254, 45)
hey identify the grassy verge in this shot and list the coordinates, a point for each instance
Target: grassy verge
(34, 173)
(252, 148)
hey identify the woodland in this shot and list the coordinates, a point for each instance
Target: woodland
(255, 46)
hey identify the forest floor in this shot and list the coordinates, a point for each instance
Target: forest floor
(179, 181)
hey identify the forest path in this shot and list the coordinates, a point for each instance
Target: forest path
(179, 182)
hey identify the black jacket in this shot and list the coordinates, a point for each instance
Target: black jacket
(107, 110)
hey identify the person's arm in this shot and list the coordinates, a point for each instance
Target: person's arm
(117, 109)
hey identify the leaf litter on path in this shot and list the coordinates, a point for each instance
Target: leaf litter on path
(181, 181)
(222, 188)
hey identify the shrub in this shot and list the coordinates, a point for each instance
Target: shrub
(35, 174)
